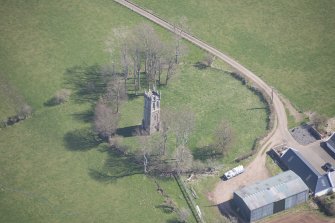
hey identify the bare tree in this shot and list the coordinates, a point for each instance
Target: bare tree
(182, 123)
(319, 121)
(184, 159)
(105, 120)
(116, 92)
(164, 137)
(179, 27)
(171, 71)
(208, 59)
(135, 52)
(169, 61)
(223, 137)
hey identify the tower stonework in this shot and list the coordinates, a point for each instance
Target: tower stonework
(151, 116)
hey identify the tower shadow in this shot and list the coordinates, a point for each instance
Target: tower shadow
(130, 131)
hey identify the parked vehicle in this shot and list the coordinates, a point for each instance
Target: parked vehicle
(233, 172)
(328, 167)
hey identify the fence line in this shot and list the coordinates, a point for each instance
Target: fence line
(188, 198)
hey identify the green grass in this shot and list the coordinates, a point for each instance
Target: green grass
(272, 167)
(213, 96)
(289, 44)
(47, 161)
(291, 122)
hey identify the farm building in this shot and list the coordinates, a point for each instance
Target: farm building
(317, 183)
(270, 196)
(331, 143)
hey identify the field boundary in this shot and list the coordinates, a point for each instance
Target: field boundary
(188, 198)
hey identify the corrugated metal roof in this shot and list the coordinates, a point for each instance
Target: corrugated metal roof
(272, 189)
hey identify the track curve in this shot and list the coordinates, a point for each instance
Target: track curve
(256, 170)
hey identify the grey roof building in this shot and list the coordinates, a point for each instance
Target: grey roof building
(270, 196)
(317, 183)
(331, 143)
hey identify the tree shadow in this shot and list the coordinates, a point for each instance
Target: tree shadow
(81, 140)
(165, 208)
(51, 102)
(205, 153)
(117, 165)
(200, 65)
(172, 220)
(133, 96)
(260, 108)
(129, 131)
(86, 116)
(87, 83)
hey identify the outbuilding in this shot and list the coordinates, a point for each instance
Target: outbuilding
(318, 184)
(330, 142)
(270, 196)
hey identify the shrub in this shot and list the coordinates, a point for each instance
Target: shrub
(24, 112)
(327, 204)
(61, 96)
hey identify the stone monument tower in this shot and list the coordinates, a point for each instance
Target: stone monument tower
(151, 119)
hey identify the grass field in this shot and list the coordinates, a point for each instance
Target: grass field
(289, 44)
(47, 161)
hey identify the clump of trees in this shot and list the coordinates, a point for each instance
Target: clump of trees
(144, 61)
(143, 54)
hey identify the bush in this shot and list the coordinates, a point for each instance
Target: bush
(61, 96)
(327, 204)
(319, 121)
(24, 112)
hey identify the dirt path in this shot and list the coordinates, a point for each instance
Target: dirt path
(224, 189)
(279, 135)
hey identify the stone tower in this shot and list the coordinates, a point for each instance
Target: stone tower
(151, 119)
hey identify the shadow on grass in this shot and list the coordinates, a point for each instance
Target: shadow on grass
(129, 131)
(51, 102)
(133, 96)
(205, 153)
(88, 83)
(86, 116)
(261, 108)
(116, 166)
(81, 140)
(200, 65)
(165, 208)
(173, 220)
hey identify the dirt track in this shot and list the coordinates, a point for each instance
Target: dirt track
(279, 135)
